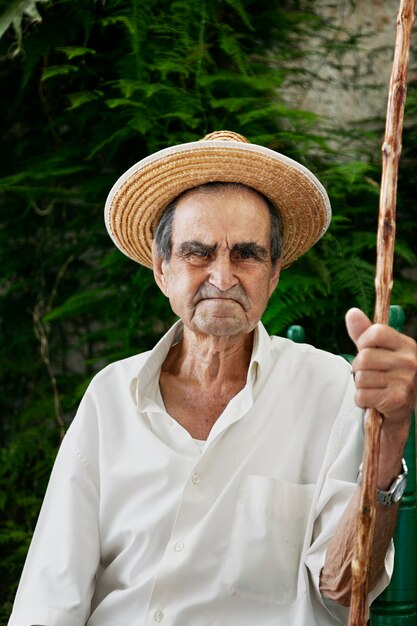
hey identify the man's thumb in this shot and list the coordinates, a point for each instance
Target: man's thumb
(356, 323)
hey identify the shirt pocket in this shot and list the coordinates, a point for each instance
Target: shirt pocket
(267, 539)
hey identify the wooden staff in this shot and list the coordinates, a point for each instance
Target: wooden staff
(391, 151)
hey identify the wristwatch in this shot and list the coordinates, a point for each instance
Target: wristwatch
(396, 490)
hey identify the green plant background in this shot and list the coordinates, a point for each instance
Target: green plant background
(89, 88)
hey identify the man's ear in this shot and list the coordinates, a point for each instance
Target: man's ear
(158, 268)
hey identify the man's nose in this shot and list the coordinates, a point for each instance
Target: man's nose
(222, 273)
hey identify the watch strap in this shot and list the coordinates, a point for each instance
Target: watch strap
(396, 490)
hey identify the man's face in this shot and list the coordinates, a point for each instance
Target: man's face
(220, 275)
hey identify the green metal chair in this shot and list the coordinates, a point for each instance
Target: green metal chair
(397, 605)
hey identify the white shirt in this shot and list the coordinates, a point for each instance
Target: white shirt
(141, 524)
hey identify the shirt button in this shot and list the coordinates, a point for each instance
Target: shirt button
(196, 478)
(158, 616)
(179, 547)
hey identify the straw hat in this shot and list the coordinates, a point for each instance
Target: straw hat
(141, 194)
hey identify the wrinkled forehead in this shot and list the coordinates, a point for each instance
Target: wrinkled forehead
(238, 214)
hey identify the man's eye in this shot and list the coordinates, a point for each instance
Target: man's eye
(249, 252)
(201, 254)
(244, 255)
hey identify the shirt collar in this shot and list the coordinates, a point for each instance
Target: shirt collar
(261, 352)
(148, 374)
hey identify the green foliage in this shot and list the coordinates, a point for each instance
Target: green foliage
(96, 87)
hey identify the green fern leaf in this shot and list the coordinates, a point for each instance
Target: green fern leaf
(58, 70)
(72, 52)
(83, 97)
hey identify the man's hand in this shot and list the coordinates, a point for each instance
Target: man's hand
(385, 370)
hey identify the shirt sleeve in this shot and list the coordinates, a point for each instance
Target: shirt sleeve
(58, 578)
(338, 485)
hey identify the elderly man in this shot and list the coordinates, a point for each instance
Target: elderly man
(213, 480)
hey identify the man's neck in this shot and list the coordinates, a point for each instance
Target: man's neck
(201, 375)
(206, 359)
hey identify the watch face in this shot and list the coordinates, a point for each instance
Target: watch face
(399, 490)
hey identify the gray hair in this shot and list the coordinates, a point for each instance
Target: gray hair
(163, 232)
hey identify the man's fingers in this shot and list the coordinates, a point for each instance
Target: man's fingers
(384, 360)
(371, 379)
(365, 334)
(357, 323)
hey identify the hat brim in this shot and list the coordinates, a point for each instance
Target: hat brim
(141, 194)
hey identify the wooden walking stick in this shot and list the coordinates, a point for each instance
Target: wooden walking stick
(391, 152)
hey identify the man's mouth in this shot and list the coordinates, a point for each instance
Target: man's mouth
(235, 294)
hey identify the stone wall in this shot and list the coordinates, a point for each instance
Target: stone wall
(350, 65)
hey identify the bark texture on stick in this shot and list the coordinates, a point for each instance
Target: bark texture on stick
(391, 152)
